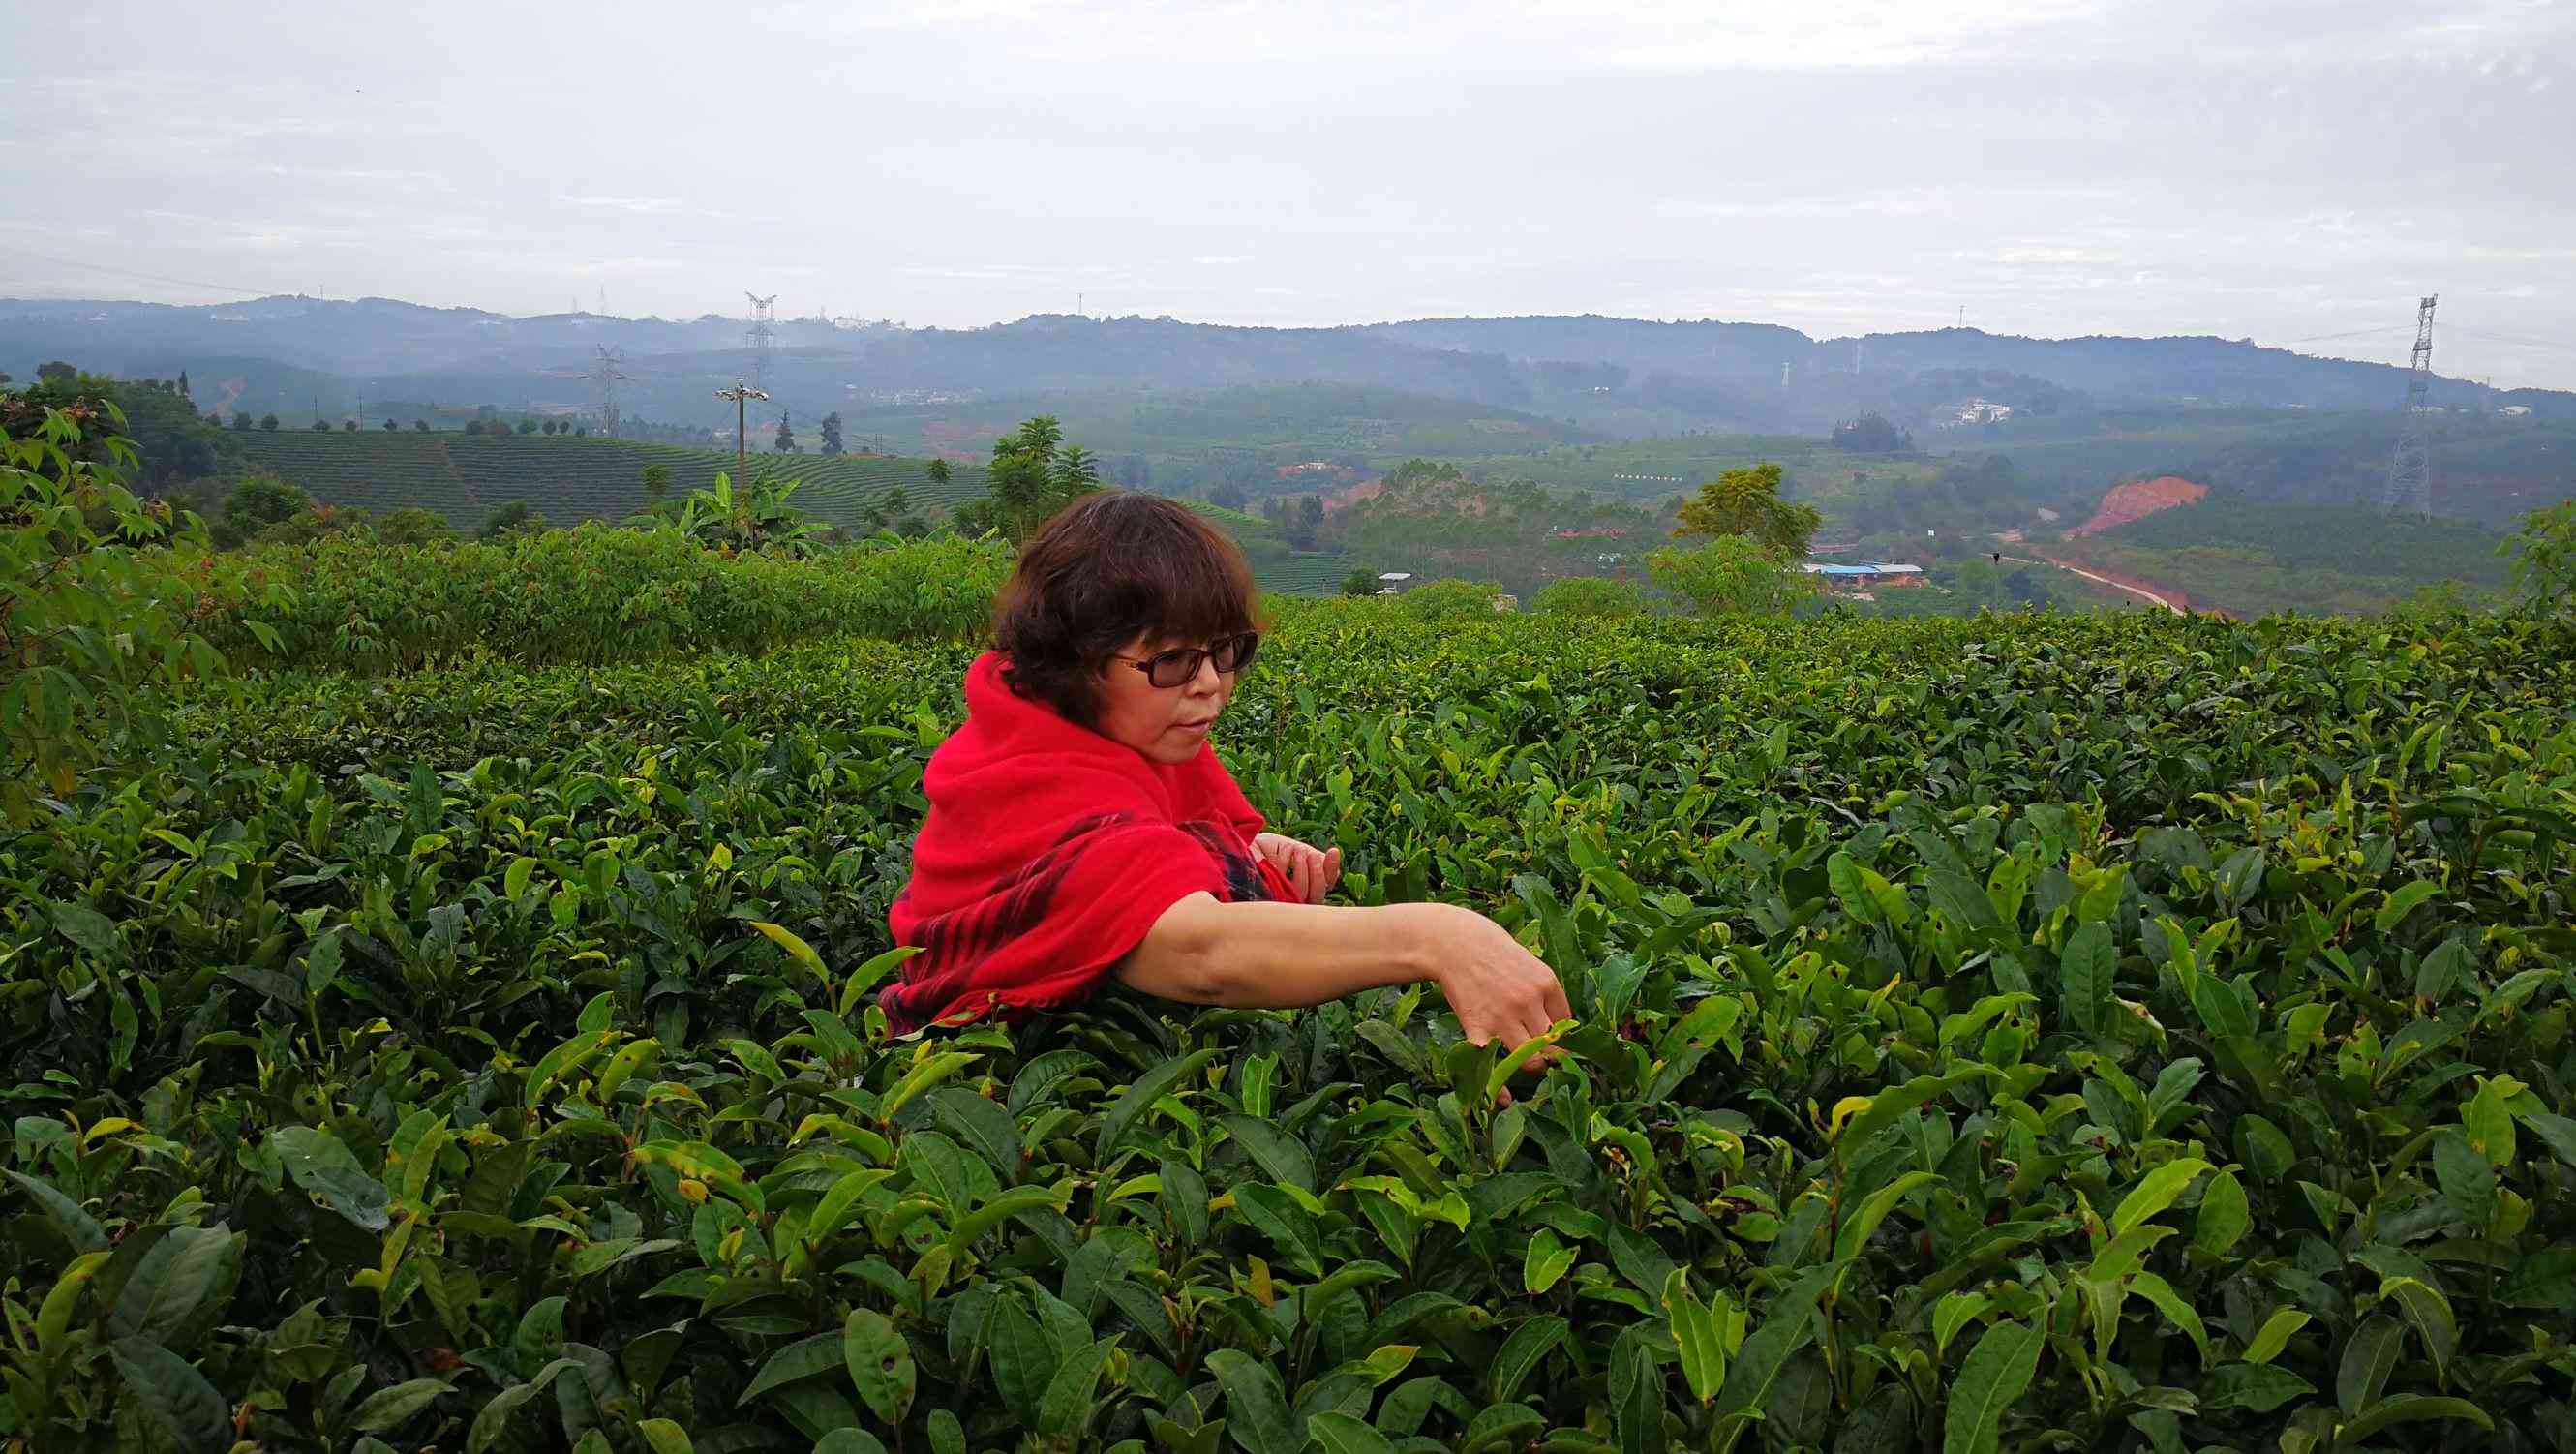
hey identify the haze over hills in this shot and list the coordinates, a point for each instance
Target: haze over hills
(1616, 375)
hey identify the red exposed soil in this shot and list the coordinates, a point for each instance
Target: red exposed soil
(2139, 499)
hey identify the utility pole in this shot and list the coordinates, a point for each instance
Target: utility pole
(739, 393)
(2410, 468)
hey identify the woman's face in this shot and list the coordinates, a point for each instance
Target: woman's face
(1165, 724)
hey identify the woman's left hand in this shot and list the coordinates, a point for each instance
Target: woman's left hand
(1311, 871)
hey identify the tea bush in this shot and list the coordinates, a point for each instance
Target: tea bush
(597, 593)
(2124, 1034)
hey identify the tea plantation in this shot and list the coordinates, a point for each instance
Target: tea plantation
(465, 477)
(2136, 1034)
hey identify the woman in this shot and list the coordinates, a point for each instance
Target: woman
(1080, 829)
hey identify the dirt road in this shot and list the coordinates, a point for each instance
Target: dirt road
(2139, 591)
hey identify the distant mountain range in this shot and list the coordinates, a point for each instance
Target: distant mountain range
(1616, 375)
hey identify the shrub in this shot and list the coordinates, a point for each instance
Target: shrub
(2544, 558)
(1589, 596)
(596, 593)
(1451, 600)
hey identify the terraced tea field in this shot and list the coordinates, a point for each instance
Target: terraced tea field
(466, 476)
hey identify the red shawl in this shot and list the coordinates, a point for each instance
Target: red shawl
(1049, 853)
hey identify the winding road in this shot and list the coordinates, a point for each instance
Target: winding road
(2104, 580)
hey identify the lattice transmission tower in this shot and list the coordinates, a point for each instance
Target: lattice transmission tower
(757, 339)
(606, 373)
(2410, 469)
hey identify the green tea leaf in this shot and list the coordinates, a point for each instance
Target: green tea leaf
(1256, 1410)
(393, 1407)
(1340, 1433)
(2155, 1191)
(2086, 970)
(2401, 903)
(176, 1292)
(1282, 1157)
(1695, 1329)
(1546, 1260)
(2275, 1334)
(1533, 1340)
(880, 1364)
(330, 1174)
(1148, 1088)
(1996, 1372)
(2406, 1409)
(181, 1403)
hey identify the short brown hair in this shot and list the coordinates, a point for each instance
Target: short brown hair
(1111, 567)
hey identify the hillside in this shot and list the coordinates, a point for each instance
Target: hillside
(2253, 556)
(465, 476)
(1627, 376)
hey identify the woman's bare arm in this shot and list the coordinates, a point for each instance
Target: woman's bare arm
(1257, 955)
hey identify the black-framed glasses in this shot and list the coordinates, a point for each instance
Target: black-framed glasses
(1180, 665)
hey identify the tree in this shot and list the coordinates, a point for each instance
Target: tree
(1747, 502)
(515, 517)
(391, 426)
(1871, 434)
(349, 426)
(1730, 575)
(657, 482)
(581, 431)
(241, 421)
(321, 426)
(527, 426)
(1227, 496)
(547, 429)
(1359, 582)
(183, 383)
(412, 525)
(785, 443)
(938, 472)
(473, 426)
(57, 373)
(420, 426)
(1308, 520)
(832, 432)
(1034, 474)
(268, 422)
(256, 503)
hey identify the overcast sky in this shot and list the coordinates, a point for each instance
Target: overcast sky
(2268, 170)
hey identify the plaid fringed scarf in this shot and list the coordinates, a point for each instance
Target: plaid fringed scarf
(1048, 854)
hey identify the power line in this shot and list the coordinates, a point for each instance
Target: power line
(2514, 339)
(131, 273)
(2355, 333)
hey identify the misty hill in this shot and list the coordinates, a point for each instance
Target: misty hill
(1623, 376)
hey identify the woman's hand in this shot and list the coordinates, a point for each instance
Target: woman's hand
(1309, 870)
(1500, 990)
